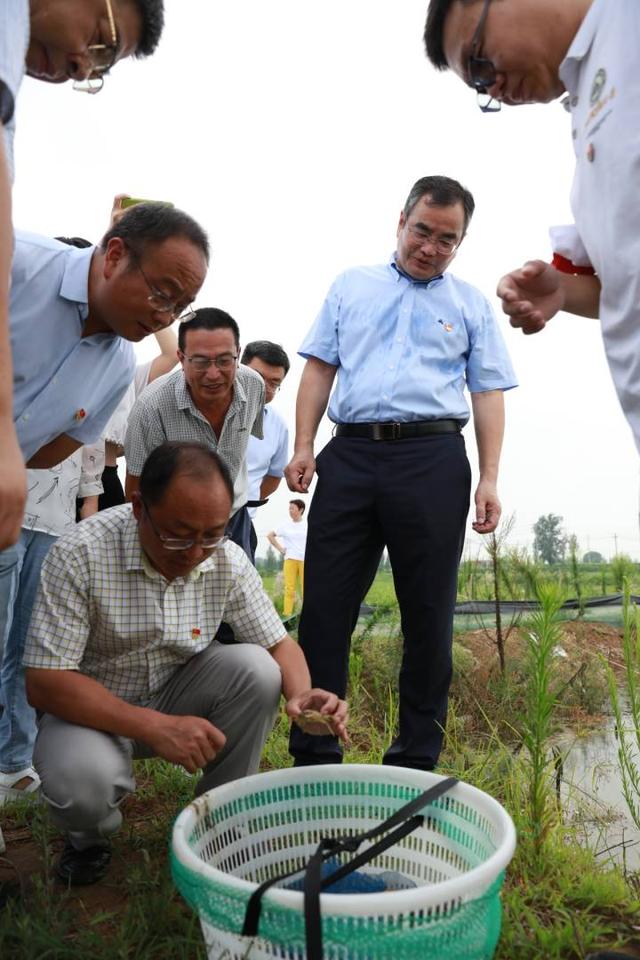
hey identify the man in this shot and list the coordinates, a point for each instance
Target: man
(121, 659)
(72, 312)
(210, 399)
(402, 339)
(52, 40)
(506, 51)
(266, 458)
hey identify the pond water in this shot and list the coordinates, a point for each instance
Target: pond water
(592, 797)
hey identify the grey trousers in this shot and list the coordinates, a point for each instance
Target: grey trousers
(86, 773)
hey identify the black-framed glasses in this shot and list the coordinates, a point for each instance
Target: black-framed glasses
(480, 70)
(223, 362)
(102, 57)
(175, 543)
(162, 303)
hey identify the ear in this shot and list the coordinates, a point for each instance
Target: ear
(116, 251)
(401, 222)
(136, 505)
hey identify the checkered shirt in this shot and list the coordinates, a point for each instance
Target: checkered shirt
(103, 610)
(165, 411)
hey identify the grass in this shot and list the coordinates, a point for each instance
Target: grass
(558, 901)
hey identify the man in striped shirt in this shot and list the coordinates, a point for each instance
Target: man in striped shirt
(122, 662)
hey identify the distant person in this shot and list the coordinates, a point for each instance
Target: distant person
(211, 399)
(591, 55)
(51, 40)
(290, 540)
(403, 339)
(266, 458)
(121, 659)
(50, 513)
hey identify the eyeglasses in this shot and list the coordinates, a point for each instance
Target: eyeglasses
(443, 245)
(482, 72)
(223, 362)
(175, 543)
(102, 57)
(164, 304)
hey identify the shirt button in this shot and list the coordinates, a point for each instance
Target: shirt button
(574, 134)
(26, 416)
(390, 366)
(54, 380)
(591, 152)
(385, 396)
(574, 101)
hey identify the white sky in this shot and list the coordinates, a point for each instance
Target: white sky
(293, 131)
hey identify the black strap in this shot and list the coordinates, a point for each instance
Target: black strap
(405, 819)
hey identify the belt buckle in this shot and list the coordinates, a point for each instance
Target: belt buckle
(386, 431)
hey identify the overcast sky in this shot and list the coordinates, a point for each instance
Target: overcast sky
(293, 131)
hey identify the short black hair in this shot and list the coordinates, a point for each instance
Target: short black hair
(443, 192)
(434, 30)
(268, 352)
(78, 242)
(150, 223)
(152, 17)
(208, 318)
(300, 504)
(180, 458)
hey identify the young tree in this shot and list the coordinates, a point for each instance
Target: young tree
(592, 556)
(550, 541)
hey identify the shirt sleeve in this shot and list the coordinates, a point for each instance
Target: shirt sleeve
(14, 40)
(488, 366)
(249, 611)
(280, 457)
(91, 470)
(322, 340)
(141, 379)
(144, 434)
(59, 626)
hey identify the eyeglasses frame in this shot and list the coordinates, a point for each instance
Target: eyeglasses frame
(204, 544)
(94, 82)
(481, 85)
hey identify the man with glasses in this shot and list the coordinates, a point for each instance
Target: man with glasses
(211, 399)
(266, 458)
(533, 51)
(51, 40)
(403, 340)
(122, 662)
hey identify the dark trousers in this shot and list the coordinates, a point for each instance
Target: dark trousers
(113, 494)
(413, 497)
(238, 530)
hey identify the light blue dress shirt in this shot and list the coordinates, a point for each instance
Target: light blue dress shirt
(269, 456)
(62, 382)
(14, 42)
(406, 349)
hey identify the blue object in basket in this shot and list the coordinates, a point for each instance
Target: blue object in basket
(358, 881)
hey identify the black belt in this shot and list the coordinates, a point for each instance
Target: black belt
(397, 431)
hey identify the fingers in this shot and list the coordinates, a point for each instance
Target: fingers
(299, 474)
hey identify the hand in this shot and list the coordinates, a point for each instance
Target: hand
(327, 705)
(531, 295)
(117, 211)
(299, 472)
(192, 742)
(488, 508)
(13, 487)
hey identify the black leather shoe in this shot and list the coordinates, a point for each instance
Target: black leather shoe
(82, 867)
(609, 955)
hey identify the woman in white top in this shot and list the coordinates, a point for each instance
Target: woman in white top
(290, 540)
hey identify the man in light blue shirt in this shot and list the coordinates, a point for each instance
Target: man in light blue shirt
(51, 40)
(266, 458)
(403, 339)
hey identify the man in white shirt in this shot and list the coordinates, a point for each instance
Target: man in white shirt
(121, 657)
(266, 458)
(508, 53)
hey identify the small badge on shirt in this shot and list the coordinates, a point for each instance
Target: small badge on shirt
(448, 327)
(598, 85)
(195, 633)
(80, 414)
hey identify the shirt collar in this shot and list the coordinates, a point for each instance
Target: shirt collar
(75, 280)
(401, 273)
(581, 44)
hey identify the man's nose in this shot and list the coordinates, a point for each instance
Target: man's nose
(79, 66)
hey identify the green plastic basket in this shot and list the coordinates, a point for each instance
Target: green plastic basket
(230, 840)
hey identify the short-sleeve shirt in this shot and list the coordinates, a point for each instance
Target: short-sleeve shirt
(116, 429)
(406, 349)
(51, 500)
(293, 536)
(14, 42)
(267, 457)
(165, 411)
(62, 382)
(103, 610)
(600, 73)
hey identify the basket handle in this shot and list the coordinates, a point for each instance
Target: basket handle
(406, 819)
